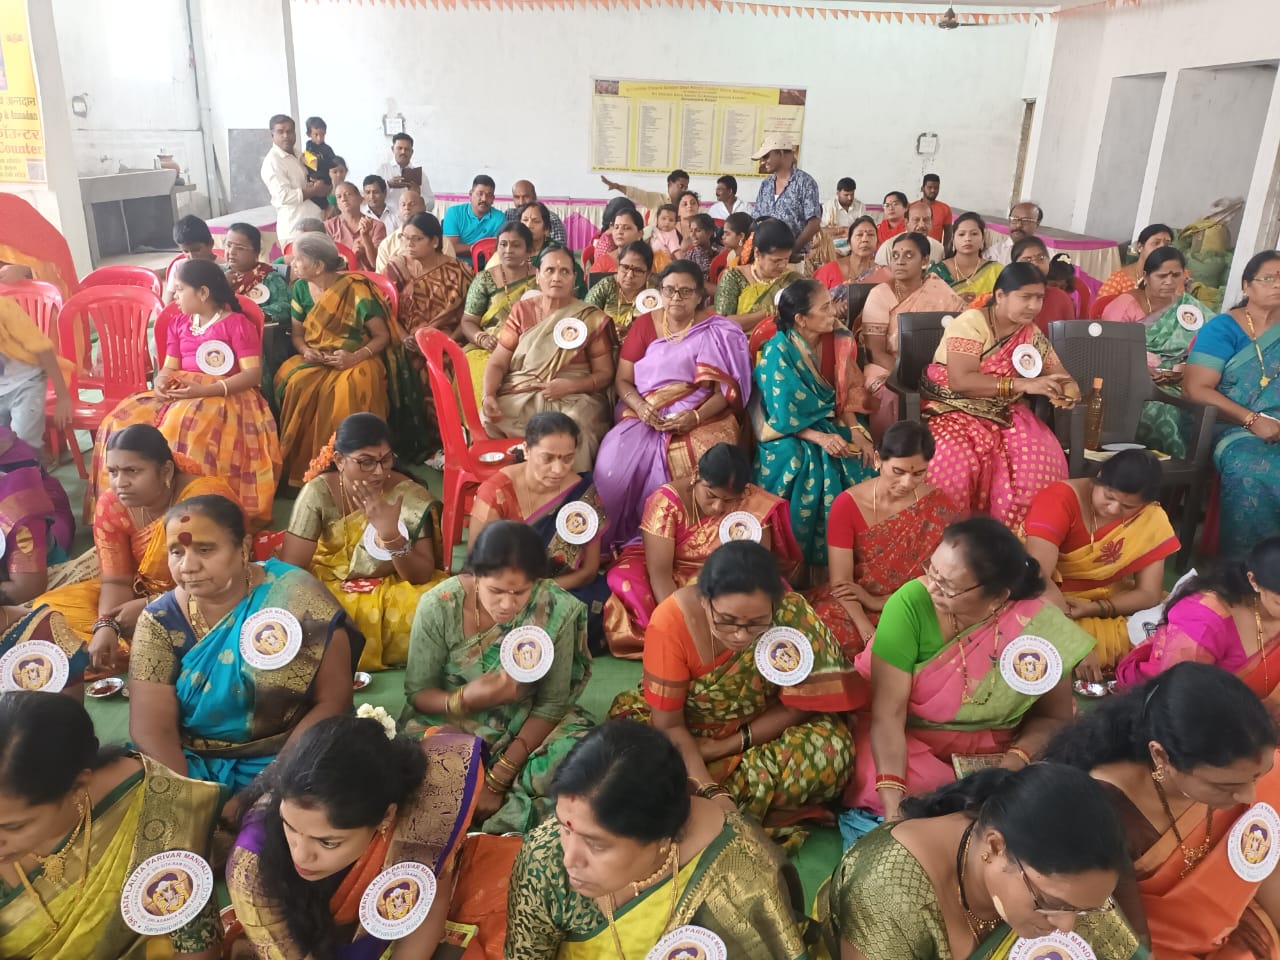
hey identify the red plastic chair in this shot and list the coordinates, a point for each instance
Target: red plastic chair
(1101, 304)
(353, 261)
(39, 300)
(464, 471)
(589, 254)
(385, 287)
(482, 252)
(124, 276)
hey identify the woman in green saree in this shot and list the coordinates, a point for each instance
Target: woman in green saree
(630, 859)
(965, 271)
(617, 295)
(457, 676)
(747, 294)
(496, 289)
(983, 866)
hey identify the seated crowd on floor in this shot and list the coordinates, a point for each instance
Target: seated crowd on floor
(844, 615)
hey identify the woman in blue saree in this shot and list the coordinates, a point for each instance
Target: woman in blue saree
(1235, 366)
(808, 395)
(239, 658)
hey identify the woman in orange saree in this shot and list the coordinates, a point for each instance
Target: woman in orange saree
(680, 529)
(993, 454)
(1189, 761)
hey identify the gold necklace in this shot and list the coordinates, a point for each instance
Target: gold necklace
(981, 263)
(875, 491)
(966, 695)
(55, 864)
(1190, 856)
(1263, 380)
(673, 862)
(1262, 646)
(978, 927)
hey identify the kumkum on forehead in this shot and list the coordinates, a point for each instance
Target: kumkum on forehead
(188, 528)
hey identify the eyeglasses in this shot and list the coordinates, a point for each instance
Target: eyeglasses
(1270, 280)
(1013, 220)
(1038, 900)
(679, 293)
(944, 591)
(627, 268)
(752, 628)
(1041, 258)
(370, 464)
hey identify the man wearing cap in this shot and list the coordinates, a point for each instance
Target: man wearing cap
(788, 193)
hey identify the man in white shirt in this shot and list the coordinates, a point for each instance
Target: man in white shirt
(294, 196)
(1024, 220)
(401, 173)
(727, 201)
(375, 203)
(844, 208)
(919, 220)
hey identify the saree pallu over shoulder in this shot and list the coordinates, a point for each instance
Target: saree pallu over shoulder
(994, 359)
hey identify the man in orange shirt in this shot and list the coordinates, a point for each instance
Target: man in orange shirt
(941, 212)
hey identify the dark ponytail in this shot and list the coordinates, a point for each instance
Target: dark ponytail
(997, 558)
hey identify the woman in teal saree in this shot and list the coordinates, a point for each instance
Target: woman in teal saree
(1235, 366)
(239, 658)
(809, 393)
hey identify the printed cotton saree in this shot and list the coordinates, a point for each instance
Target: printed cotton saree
(490, 301)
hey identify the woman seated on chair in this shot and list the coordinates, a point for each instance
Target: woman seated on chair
(207, 400)
(432, 286)
(209, 695)
(1102, 543)
(628, 835)
(350, 360)
(809, 394)
(859, 264)
(506, 278)
(912, 290)
(1228, 616)
(970, 667)
(537, 220)
(544, 491)
(1129, 277)
(970, 871)
(530, 371)
(680, 529)
(36, 523)
(370, 533)
(880, 534)
(748, 293)
(252, 279)
(456, 676)
(1188, 762)
(128, 566)
(776, 745)
(993, 454)
(349, 801)
(89, 817)
(616, 295)
(684, 377)
(965, 271)
(627, 228)
(354, 229)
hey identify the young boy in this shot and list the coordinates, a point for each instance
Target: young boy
(337, 175)
(318, 156)
(734, 234)
(28, 362)
(193, 238)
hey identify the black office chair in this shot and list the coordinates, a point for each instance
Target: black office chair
(918, 337)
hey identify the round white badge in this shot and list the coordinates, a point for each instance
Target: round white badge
(530, 294)
(34, 665)
(1056, 946)
(258, 293)
(369, 540)
(648, 300)
(1190, 317)
(1027, 361)
(577, 522)
(569, 333)
(689, 943)
(946, 321)
(215, 357)
(270, 638)
(1095, 329)
(527, 653)
(1253, 846)
(398, 900)
(166, 892)
(1031, 665)
(740, 525)
(784, 656)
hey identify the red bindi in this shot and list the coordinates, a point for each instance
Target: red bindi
(184, 538)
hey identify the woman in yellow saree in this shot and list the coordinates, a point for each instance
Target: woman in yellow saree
(132, 568)
(350, 359)
(554, 353)
(630, 858)
(492, 294)
(370, 533)
(90, 817)
(1105, 539)
(965, 271)
(748, 294)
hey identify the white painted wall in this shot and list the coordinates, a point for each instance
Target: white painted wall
(1124, 154)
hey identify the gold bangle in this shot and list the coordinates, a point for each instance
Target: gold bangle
(697, 416)
(454, 708)
(1021, 754)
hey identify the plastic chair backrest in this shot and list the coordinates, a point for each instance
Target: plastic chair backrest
(452, 393)
(589, 254)
(39, 300)
(385, 287)
(482, 252)
(918, 337)
(1101, 304)
(124, 275)
(120, 316)
(1117, 354)
(353, 261)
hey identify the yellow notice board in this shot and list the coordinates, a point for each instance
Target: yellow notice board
(650, 127)
(21, 134)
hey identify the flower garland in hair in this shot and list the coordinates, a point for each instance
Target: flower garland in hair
(322, 461)
(367, 711)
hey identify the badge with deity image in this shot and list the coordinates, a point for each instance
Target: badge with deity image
(1056, 946)
(34, 665)
(740, 525)
(527, 653)
(1190, 317)
(569, 333)
(1027, 361)
(166, 892)
(259, 294)
(689, 943)
(577, 523)
(1253, 846)
(1031, 665)
(215, 357)
(784, 656)
(398, 900)
(369, 540)
(270, 638)
(648, 300)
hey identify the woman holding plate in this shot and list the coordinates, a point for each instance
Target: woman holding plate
(207, 399)
(464, 673)
(370, 533)
(554, 352)
(750, 687)
(542, 490)
(230, 666)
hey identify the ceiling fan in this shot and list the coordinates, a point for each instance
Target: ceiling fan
(949, 21)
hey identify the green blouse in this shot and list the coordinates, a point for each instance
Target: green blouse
(909, 633)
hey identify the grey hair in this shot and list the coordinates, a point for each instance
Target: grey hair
(320, 248)
(311, 225)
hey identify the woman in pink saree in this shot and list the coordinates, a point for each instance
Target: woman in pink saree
(993, 454)
(683, 380)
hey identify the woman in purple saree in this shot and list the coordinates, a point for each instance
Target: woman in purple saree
(36, 523)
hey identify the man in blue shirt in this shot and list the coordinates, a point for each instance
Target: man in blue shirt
(464, 224)
(788, 193)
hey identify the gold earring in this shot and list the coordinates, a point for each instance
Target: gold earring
(1158, 774)
(986, 858)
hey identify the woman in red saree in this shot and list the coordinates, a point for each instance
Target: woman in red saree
(994, 454)
(879, 534)
(1189, 760)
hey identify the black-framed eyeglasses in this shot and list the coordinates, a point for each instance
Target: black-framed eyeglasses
(752, 628)
(628, 268)
(1038, 899)
(679, 293)
(943, 591)
(370, 464)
